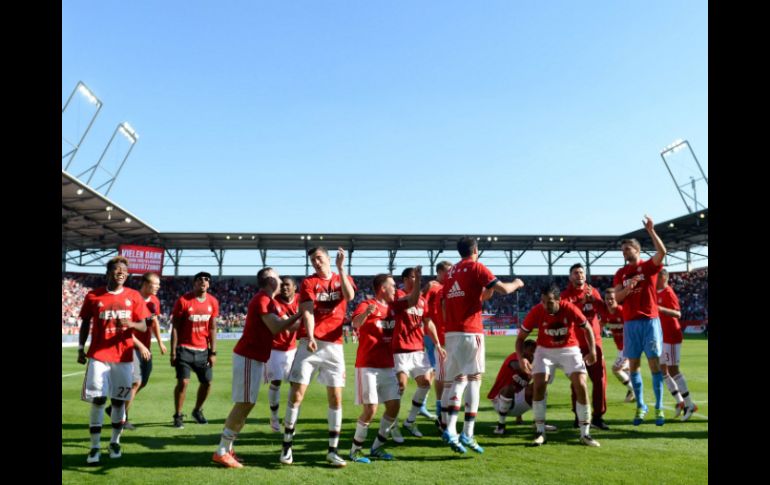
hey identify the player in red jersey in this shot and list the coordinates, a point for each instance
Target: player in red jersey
(284, 349)
(410, 359)
(635, 285)
(612, 317)
(462, 292)
(193, 345)
(433, 294)
(557, 346)
(586, 297)
(114, 311)
(322, 302)
(668, 306)
(143, 340)
(264, 319)
(376, 382)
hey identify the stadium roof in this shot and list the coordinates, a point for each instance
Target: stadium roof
(87, 224)
(91, 221)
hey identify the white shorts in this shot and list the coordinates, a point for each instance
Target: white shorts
(440, 366)
(412, 363)
(621, 362)
(671, 354)
(279, 365)
(246, 377)
(519, 407)
(107, 379)
(569, 359)
(328, 360)
(464, 354)
(375, 386)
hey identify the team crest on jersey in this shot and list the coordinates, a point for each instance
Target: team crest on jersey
(337, 284)
(128, 302)
(100, 305)
(638, 269)
(210, 308)
(465, 270)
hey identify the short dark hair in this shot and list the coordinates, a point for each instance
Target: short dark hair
(550, 289)
(262, 277)
(633, 242)
(317, 248)
(407, 273)
(466, 245)
(443, 266)
(116, 260)
(286, 279)
(529, 344)
(663, 272)
(380, 280)
(576, 265)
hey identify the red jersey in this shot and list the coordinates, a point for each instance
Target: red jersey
(256, 341)
(375, 336)
(462, 295)
(578, 297)
(640, 302)
(506, 375)
(287, 339)
(409, 332)
(193, 318)
(103, 309)
(153, 306)
(329, 306)
(672, 332)
(614, 322)
(555, 330)
(433, 296)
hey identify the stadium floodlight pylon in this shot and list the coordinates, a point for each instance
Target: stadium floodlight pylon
(130, 134)
(687, 189)
(91, 98)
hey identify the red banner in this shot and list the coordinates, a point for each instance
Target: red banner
(142, 259)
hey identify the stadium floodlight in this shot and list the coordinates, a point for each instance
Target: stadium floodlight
(128, 131)
(682, 188)
(128, 220)
(91, 98)
(79, 192)
(130, 134)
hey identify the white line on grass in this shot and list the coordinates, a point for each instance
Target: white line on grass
(73, 374)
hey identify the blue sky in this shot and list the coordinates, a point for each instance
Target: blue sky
(498, 117)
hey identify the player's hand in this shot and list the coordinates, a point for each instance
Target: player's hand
(648, 224)
(145, 353)
(212, 360)
(417, 274)
(518, 282)
(162, 348)
(525, 365)
(173, 359)
(400, 388)
(81, 356)
(441, 351)
(590, 358)
(340, 261)
(312, 345)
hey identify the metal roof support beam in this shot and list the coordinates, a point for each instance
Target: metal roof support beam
(220, 258)
(391, 258)
(263, 256)
(104, 254)
(174, 260)
(511, 261)
(433, 256)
